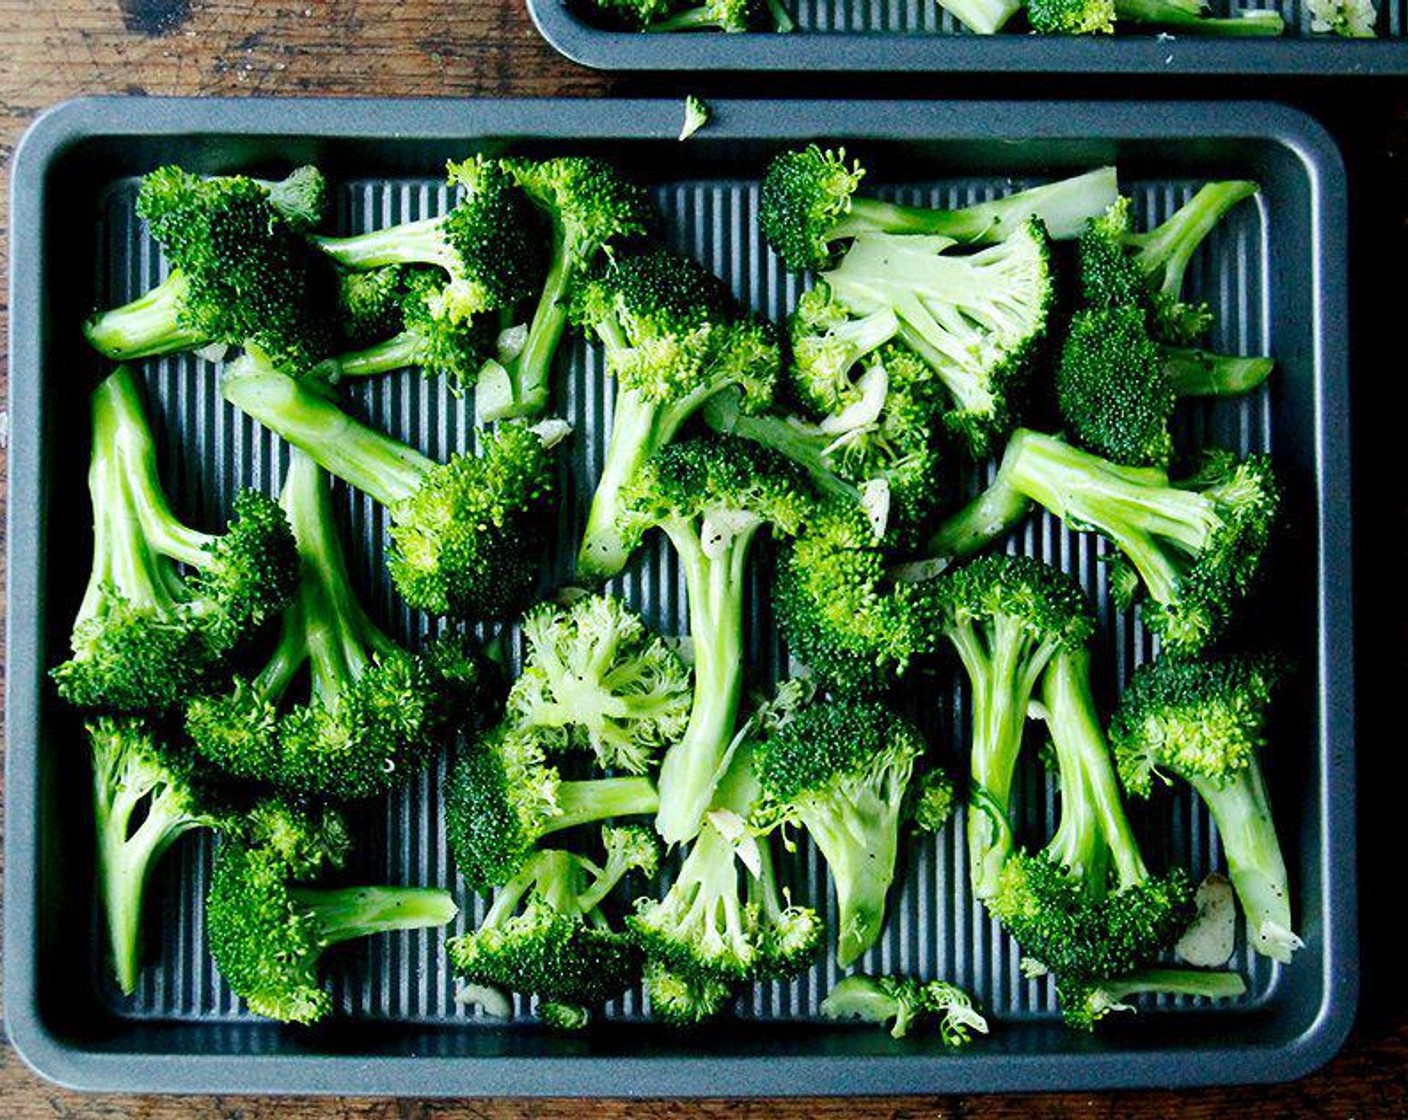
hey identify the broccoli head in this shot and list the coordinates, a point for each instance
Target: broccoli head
(905, 1002)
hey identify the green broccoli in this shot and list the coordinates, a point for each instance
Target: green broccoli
(545, 933)
(467, 533)
(986, 17)
(166, 604)
(906, 1002)
(593, 670)
(591, 208)
(698, 15)
(374, 712)
(1083, 1004)
(710, 496)
(933, 799)
(146, 796)
(241, 270)
(808, 204)
(984, 519)
(503, 796)
(1206, 721)
(1186, 17)
(268, 931)
(674, 338)
(684, 1001)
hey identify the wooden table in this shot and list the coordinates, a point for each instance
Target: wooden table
(56, 49)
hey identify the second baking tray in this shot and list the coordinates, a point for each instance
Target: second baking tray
(918, 35)
(1274, 274)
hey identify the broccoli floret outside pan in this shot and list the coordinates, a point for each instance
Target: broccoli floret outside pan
(905, 1002)
(1121, 268)
(674, 338)
(594, 671)
(546, 935)
(1117, 387)
(590, 208)
(1186, 17)
(1084, 1004)
(1206, 722)
(165, 603)
(373, 713)
(145, 797)
(241, 270)
(711, 496)
(503, 796)
(841, 769)
(1193, 548)
(268, 929)
(467, 534)
(1006, 617)
(974, 319)
(809, 204)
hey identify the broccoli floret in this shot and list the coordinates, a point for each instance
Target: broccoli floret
(545, 933)
(166, 604)
(146, 796)
(1353, 19)
(975, 320)
(1186, 17)
(934, 797)
(503, 796)
(828, 343)
(1006, 616)
(468, 533)
(486, 244)
(907, 1002)
(1087, 906)
(1121, 268)
(697, 115)
(710, 496)
(369, 304)
(1194, 547)
(808, 204)
(1206, 722)
(684, 1001)
(593, 670)
(841, 770)
(985, 519)
(1083, 1004)
(373, 713)
(240, 270)
(591, 208)
(674, 339)
(267, 930)
(1117, 387)
(698, 15)
(839, 615)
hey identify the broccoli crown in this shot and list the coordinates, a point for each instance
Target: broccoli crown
(1109, 277)
(839, 617)
(827, 343)
(683, 1001)
(905, 1001)
(498, 259)
(467, 540)
(637, 14)
(447, 343)
(370, 304)
(302, 197)
(250, 275)
(1112, 388)
(594, 670)
(1198, 719)
(804, 194)
(590, 203)
(933, 801)
(1072, 17)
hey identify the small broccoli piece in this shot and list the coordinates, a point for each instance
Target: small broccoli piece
(841, 770)
(268, 931)
(373, 713)
(165, 604)
(828, 343)
(1353, 19)
(240, 270)
(1087, 906)
(697, 115)
(699, 15)
(934, 798)
(985, 519)
(1194, 547)
(906, 1002)
(1187, 17)
(486, 244)
(1006, 617)
(591, 208)
(1206, 721)
(1117, 387)
(1121, 268)
(545, 933)
(468, 533)
(1083, 1004)
(684, 1001)
(502, 797)
(839, 615)
(674, 339)
(975, 320)
(809, 203)
(710, 496)
(369, 304)
(595, 671)
(146, 796)
(986, 17)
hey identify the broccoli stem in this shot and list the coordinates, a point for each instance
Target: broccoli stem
(1187, 17)
(347, 913)
(147, 326)
(986, 17)
(1175, 982)
(421, 242)
(385, 468)
(586, 802)
(1170, 246)
(781, 17)
(987, 518)
(398, 352)
(523, 391)
(1200, 373)
(636, 433)
(1241, 810)
(785, 436)
(859, 841)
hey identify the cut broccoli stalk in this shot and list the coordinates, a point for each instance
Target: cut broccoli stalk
(987, 518)
(1201, 373)
(152, 324)
(347, 913)
(906, 1002)
(986, 17)
(1083, 1004)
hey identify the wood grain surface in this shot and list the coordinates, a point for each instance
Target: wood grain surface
(55, 49)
